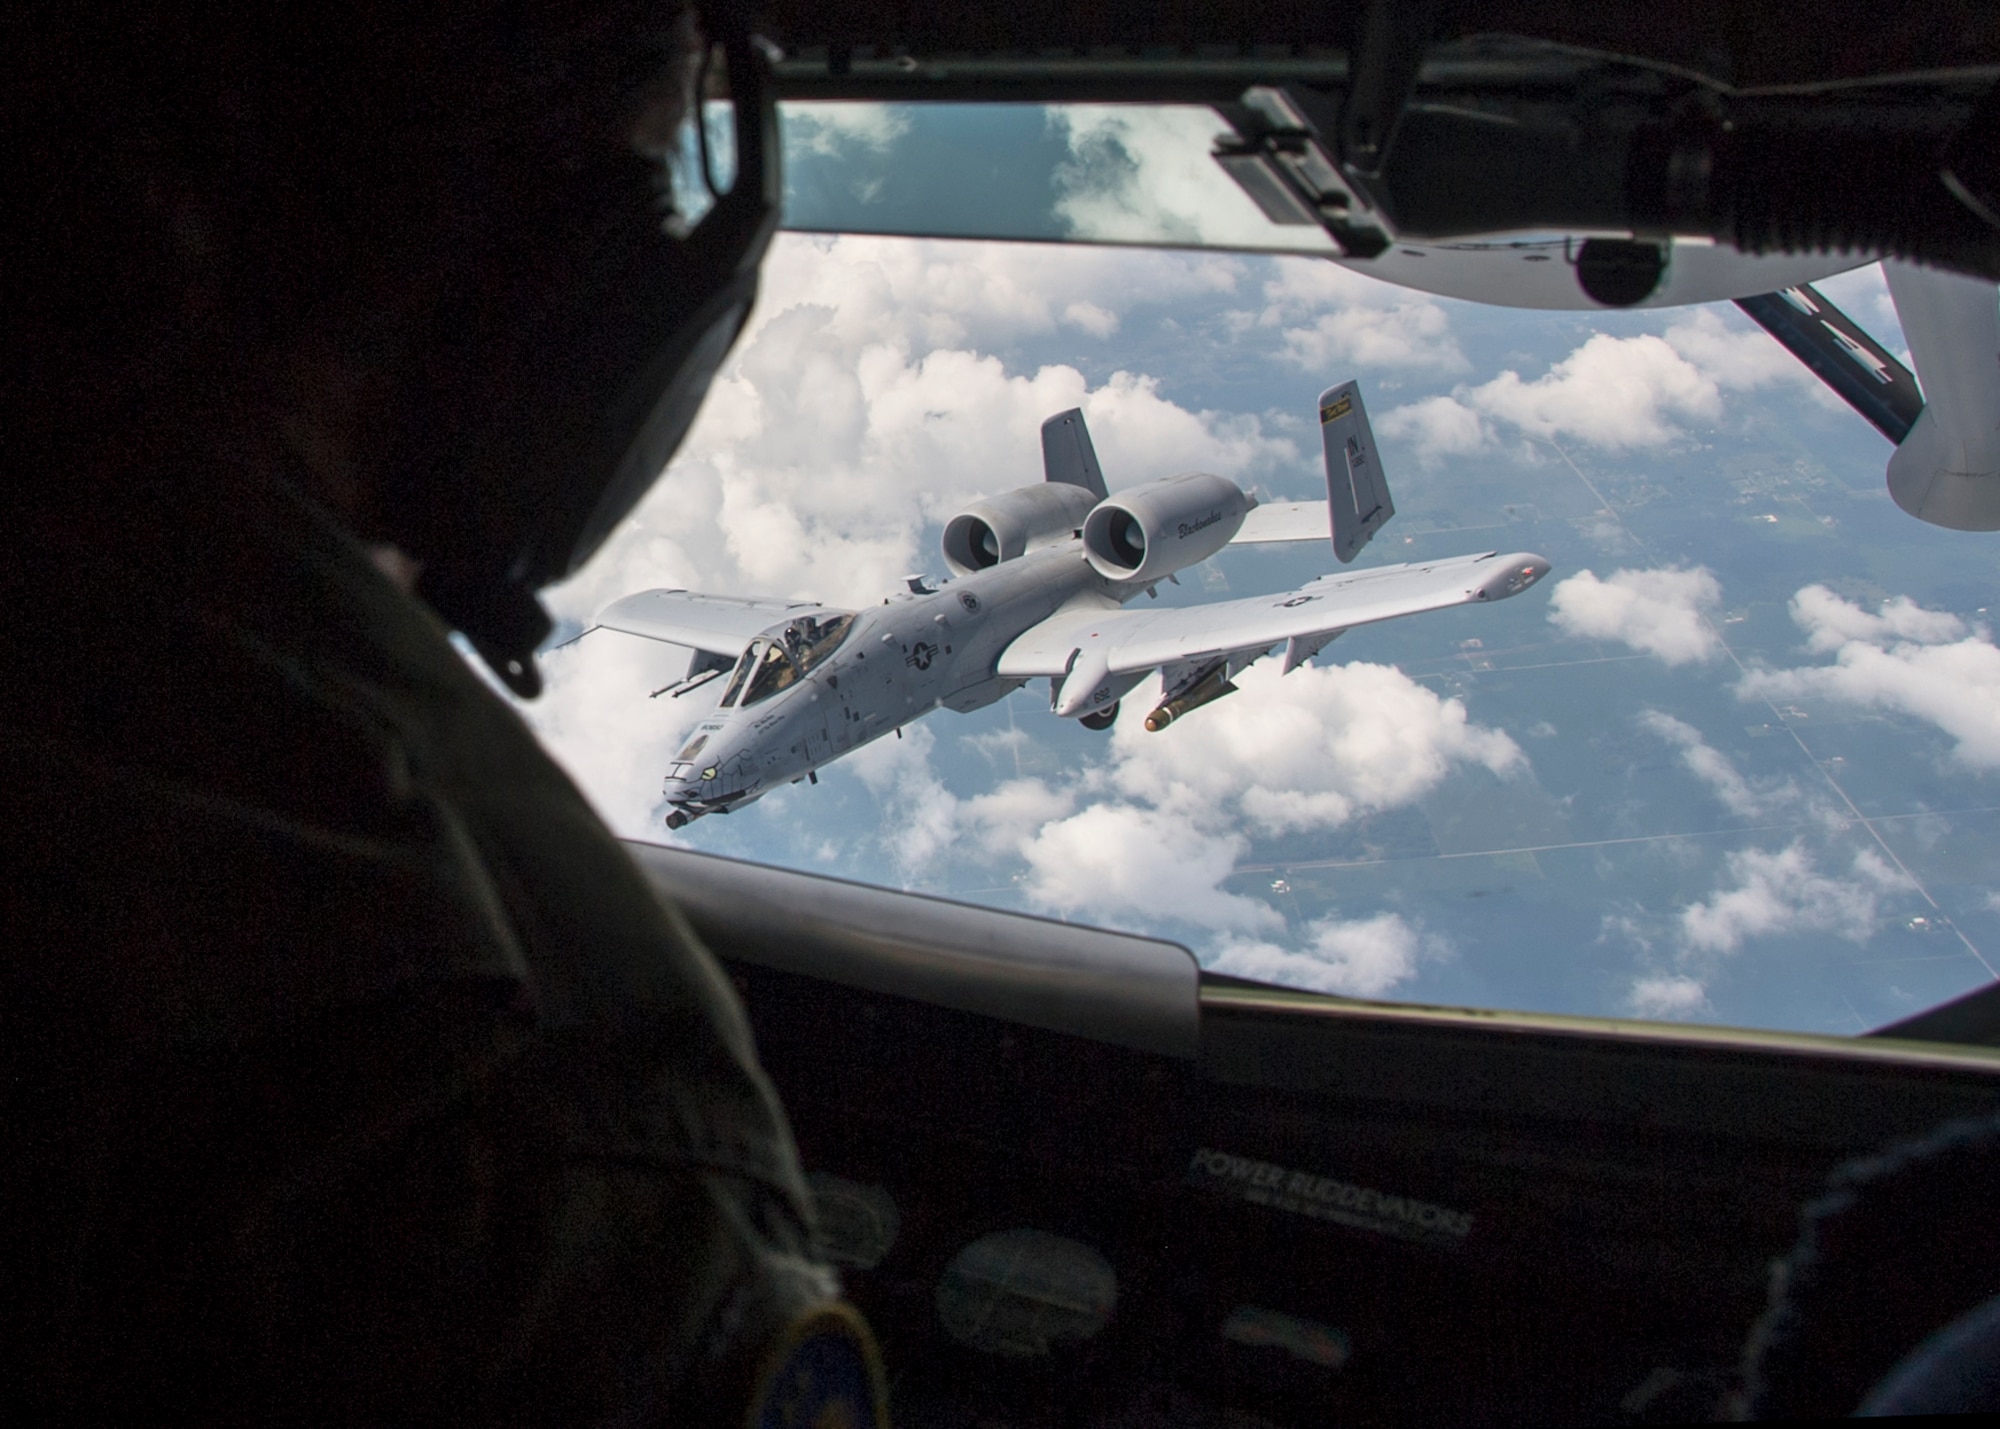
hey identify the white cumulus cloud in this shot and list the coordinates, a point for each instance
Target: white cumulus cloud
(1006, 817)
(922, 822)
(1089, 317)
(1338, 323)
(1143, 174)
(1916, 662)
(1130, 865)
(1621, 393)
(1831, 623)
(1710, 765)
(920, 817)
(1612, 392)
(1667, 997)
(1167, 818)
(1738, 356)
(1784, 893)
(859, 408)
(1363, 957)
(1311, 749)
(598, 718)
(835, 128)
(1662, 612)
(1438, 427)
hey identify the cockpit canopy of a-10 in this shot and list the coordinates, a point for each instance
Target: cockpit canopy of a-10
(1041, 579)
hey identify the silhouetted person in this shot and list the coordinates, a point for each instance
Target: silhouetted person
(348, 1067)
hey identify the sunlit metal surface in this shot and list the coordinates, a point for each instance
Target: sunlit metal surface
(1113, 987)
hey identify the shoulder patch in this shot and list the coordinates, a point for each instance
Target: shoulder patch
(824, 1372)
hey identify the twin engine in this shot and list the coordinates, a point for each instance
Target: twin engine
(1148, 532)
(1003, 527)
(1142, 534)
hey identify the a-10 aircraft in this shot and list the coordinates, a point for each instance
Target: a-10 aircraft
(1043, 575)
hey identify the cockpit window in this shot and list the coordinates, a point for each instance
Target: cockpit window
(779, 660)
(742, 673)
(1733, 760)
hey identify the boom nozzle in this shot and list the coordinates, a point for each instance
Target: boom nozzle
(1208, 689)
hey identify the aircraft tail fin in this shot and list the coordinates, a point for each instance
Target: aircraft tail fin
(1067, 455)
(1357, 493)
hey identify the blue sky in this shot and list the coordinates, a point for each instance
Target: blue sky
(1734, 761)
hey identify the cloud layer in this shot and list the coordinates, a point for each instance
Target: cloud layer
(1142, 174)
(1151, 835)
(1334, 322)
(1365, 957)
(860, 408)
(1711, 766)
(1783, 893)
(880, 386)
(1925, 664)
(1616, 394)
(1663, 612)
(1311, 749)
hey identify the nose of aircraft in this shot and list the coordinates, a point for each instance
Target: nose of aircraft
(690, 787)
(700, 775)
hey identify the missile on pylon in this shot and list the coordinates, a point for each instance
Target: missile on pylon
(1212, 686)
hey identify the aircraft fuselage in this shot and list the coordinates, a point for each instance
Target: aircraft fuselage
(895, 663)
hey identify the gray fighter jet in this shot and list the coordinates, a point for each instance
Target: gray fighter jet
(1043, 576)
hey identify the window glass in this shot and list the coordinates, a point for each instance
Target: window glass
(745, 666)
(1736, 759)
(792, 653)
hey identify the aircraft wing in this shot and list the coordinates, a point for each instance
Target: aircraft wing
(1131, 640)
(722, 625)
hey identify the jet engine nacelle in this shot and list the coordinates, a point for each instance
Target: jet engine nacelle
(1146, 533)
(1000, 528)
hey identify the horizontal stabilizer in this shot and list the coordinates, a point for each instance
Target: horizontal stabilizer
(1356, 489)
(1276, 521)
(1859, 369)
(1067, 455)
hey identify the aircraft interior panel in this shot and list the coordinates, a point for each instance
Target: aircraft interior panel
(1319, 1219)
(1073, 1181)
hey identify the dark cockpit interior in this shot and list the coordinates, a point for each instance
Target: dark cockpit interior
(1082, 1184)
(1069, 1177)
